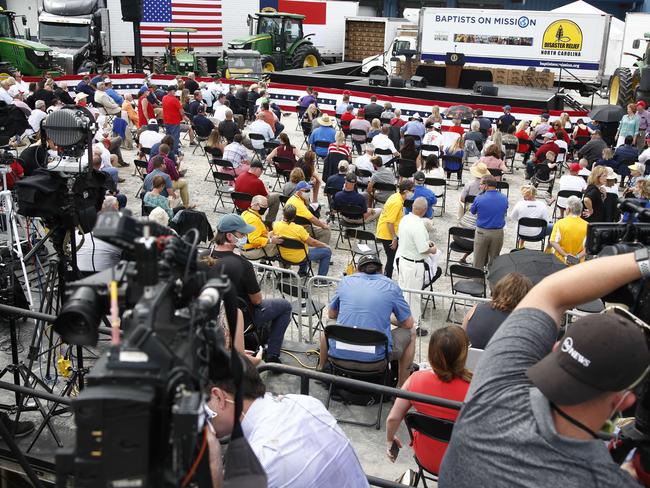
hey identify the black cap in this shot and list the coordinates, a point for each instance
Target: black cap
(419, 176)
(257, 164)
(600, 353)
(351, 178)
(367, 259)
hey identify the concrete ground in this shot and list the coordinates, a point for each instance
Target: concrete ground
(368, 442)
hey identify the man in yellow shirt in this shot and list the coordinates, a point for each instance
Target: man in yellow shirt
(570, 233)
(388, 223)
(260, 242)
(314, 250)
(300, 200)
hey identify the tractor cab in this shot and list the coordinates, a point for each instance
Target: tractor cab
(180, 60)
(243, 64)
(16, 53)
(280, 40)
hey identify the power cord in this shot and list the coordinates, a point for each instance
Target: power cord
(310, 352)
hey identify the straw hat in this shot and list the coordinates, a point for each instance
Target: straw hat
(479, 170)
(324, 120)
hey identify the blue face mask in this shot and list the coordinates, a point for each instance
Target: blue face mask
(241, 242)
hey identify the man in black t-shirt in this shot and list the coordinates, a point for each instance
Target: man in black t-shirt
(232, 233)
(228, 128)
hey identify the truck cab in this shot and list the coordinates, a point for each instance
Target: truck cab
(74, 30)
(386, 63)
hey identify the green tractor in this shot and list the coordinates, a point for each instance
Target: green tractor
(179, 60)
(627, 86)
(242, 64)
(28, 57)
(280, 41)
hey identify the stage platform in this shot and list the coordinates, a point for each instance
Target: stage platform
(331, 80)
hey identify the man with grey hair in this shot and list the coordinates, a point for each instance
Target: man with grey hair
(262, 128)
(475, 133)
(261, 242)
(364, 162)
(105, 102)
(191, 83)
(5, 85)
(413, 253)
(570, 233)
(37, 115)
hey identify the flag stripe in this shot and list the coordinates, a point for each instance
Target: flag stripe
(204, 15)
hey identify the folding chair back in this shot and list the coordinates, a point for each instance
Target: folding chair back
(440, 189)
(540, 224)
(241, 201)
(430, 148)
(503, 185)
(453, 246)
(434, 428)
(564, 194)
(406, 167)
(291, 245)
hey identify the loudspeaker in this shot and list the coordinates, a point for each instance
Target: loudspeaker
(396, 82)
(375, 80)
(644, 83)
(418, 82)
(132, 10)
(485, 88)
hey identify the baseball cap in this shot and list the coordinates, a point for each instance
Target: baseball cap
(507, 107)
(303, 185)
(637, 167)
(233, 222)
(351, 178)
(152, 122)
(369, 258)
(642, 103)
(343, 164)
(419, 176)
(575, 167)
(361, 112)
(416, 115)
(550, 135)
(600, 353)
(107, 80)
(545, 116)
(437, 125)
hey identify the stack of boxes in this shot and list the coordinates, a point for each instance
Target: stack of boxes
(363, 39)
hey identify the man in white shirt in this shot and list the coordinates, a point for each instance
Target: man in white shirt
(260, 127)
(414, 249)
(584, 167)
(296, 440)
(433, 137)
(364, 162)
(37, 115)
(150, 136)
(644, 156)
(17, 94)
(23, 85)
(5, 85)
(572, 181)
(382, 141)
(532, 208)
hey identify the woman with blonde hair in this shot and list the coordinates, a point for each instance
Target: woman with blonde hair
(496, 140)
(448, 378)
(339, 146)
(435, 115)
(594, 195)
(523, 133)
(214, 145)
(311, 115)
(532, 208)
(296, 176)
(483, 319)
(375, 128)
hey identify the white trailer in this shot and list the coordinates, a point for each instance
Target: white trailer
(636, 25)
(516, 39)
(370, 37)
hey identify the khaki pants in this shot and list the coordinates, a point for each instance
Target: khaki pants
(273, 200)
(270, 249)
(640, 140)
(369, 218)
(487, 246)
(181, 185)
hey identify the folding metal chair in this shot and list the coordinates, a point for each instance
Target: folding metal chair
(432, 427)
(469, 281)
(540, 224)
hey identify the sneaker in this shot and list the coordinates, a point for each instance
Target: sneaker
(420, 332)
(273, 359)
(19, 429)
(123, 164)
(121, 180)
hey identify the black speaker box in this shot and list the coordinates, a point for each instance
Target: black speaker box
(132, 10)
(644, 84)
(375, 80)
(418, 82)
(491, 91)
(396, 82)
(485, 88)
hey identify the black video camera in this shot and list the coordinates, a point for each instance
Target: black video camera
(138, 419)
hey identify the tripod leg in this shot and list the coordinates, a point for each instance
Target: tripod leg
(40, 408)
(20, 457)
(14, 353)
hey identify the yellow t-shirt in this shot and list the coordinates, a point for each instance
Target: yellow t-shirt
(260, 236)
(301, 207)
(291, 231)
(570, 233)
(391, 214)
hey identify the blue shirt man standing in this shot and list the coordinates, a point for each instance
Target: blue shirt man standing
(490, 208)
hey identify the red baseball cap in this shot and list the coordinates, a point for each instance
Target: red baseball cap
(642, 103)
(574, 167)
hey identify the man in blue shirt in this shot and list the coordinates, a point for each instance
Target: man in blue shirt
(110, 91)
(414, 127)
(421, 190)
(506, 120)
(338, 180)
(350, 196)
(147, 185)
(490, 208)
(366, 300)
(325, 132)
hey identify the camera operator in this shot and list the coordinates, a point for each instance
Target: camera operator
(535, 405)
(295, 439)
(95, 255)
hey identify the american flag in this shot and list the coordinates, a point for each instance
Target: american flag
(203, 15)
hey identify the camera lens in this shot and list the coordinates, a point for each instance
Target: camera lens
(79, 319)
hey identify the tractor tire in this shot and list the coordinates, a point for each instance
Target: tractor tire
(377, 71)
(268, 64)
(158, 65)
(202, 66)
(620, 91)
(306, 56)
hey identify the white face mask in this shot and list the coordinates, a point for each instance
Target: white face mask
(241, 242)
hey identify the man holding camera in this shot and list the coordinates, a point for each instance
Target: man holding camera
(535, 405)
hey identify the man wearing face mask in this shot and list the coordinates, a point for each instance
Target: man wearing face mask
(232, 233)
(535, 405)
(260, 242)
